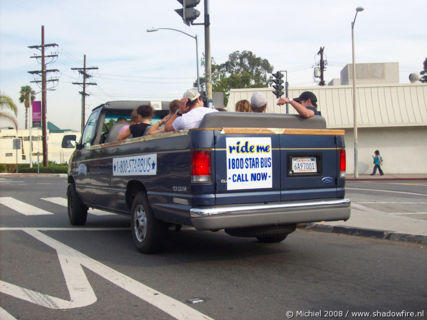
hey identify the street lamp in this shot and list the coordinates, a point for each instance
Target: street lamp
(197, 48)
(356, 167)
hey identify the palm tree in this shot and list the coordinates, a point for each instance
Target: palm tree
(7, 103)
(25, 93)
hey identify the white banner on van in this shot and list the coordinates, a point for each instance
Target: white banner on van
(142, 165)
(249, 163)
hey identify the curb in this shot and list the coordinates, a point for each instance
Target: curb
(386, 179)
(369, 233)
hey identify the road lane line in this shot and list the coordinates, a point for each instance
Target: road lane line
(63, 202)
(387, 202)
(81, 293)
(367, 210)
(62, 229)
(389, 191)
(4, 315)
(22, 207)
(408, 213)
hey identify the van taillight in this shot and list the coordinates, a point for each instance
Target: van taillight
(201, 169)
(342, 163)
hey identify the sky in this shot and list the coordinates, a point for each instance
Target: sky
(137, 65)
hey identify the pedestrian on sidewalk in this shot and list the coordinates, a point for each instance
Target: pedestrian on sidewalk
(378, 161)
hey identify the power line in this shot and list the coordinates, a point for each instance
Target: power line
(85, 75)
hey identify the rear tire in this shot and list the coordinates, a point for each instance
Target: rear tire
(147, 232)
(273, 238)
(276, 235)
(77, 210)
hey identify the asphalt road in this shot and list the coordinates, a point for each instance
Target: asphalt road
(50, 270)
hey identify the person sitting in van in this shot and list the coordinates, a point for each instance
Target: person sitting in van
(158, 127)
(144, 115)
(258, 102)
(115, 129)
(190, 113)
(305, 104)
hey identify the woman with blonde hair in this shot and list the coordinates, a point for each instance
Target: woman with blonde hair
(243, 106)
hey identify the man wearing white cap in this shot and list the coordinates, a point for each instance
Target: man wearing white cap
(190, 113)
(259, 102)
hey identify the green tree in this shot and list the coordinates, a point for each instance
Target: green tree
(7, 103)
(26, 94)
(241, 70)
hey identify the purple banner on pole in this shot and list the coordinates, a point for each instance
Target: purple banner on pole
(37, 114)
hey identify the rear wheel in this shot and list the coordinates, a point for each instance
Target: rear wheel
(77, 210)
(272, 238)
(276, 234)
(147, 231)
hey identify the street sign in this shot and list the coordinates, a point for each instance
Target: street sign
(37, 114)
(16, 144)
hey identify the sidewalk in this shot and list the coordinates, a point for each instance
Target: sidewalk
(377, 224)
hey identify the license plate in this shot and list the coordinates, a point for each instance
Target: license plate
(304, 165)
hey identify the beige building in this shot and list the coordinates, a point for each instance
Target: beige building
(56, 152)
(371, 73)
(392, 119)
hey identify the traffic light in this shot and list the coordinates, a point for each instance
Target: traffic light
(278, 81)
(188, 13)
(424, 72)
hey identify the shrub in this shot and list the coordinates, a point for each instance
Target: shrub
(25, 168)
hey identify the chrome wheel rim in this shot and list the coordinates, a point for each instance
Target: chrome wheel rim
(140, 223)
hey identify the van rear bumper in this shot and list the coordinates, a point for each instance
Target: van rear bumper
(269, 214)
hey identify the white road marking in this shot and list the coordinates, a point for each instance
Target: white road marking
(22, 207)
(362, 207)
(81, 293)
(63, 202)
(388, 202)
(62, 229)
(408, 213)
(411, 183)
(365, 209)
(389, 191)
(4, 315)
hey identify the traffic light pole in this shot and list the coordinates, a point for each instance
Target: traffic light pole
(189, 14)
(286, 91)
(208, 55)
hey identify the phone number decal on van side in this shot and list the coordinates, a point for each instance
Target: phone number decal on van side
(144, 165)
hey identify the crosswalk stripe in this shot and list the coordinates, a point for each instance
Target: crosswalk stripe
(63, 202)
(22, 207)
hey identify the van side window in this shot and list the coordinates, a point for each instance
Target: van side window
(90, 129)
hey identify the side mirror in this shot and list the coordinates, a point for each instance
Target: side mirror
(69, 141)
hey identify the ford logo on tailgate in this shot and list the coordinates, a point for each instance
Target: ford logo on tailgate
(327, 179)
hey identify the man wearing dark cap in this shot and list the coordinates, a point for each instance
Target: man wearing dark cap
(305, 104)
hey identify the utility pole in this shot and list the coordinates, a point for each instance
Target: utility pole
(322, 66)
(85, 76)
(208, 63)
(43, 81)
(189, 14)
(286, 90)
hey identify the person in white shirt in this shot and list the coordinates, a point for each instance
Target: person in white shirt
(190, 112)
